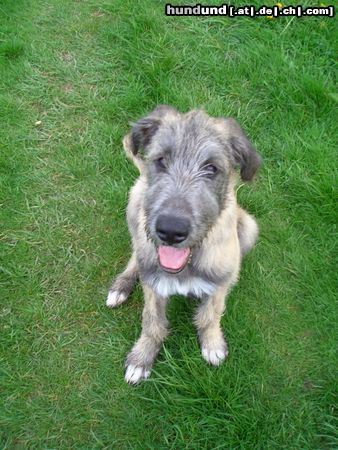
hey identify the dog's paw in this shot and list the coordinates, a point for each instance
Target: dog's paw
(135, 374)
(115, 298)
(214, 355)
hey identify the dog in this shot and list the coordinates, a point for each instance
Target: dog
(188, 232)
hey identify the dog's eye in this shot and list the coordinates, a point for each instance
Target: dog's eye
(160, 163)
(210, 170)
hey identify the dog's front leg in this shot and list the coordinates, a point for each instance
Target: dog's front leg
(207, 320)
(123, 284)
(154, 330)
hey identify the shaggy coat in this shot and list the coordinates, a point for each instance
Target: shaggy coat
(188, 232)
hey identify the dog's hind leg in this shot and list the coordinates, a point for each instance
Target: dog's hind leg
(247, 230)
(154, 330)
(207, 320)
(123, 284)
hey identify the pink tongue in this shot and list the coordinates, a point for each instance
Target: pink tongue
(173, 258)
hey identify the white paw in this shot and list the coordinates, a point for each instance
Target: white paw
(214, 356)
(115, 298)
(134, 374)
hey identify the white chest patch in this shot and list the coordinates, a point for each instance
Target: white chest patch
(168, 285)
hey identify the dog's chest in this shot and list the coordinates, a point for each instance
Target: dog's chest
(194, 286)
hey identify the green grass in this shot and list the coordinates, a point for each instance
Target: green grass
(85, 69)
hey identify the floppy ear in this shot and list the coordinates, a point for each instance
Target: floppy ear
(242, 152)
(142, 133)
(145, 129)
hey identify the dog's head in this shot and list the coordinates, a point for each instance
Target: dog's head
(189, 160)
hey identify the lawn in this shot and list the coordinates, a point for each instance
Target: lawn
(73, 74)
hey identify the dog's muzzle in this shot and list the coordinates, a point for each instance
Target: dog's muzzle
(171, 231)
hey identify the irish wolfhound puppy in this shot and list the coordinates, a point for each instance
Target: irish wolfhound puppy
(188, 233)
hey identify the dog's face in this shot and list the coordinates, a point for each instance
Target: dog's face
(189, 161)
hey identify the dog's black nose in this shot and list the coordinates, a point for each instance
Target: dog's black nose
(171, 229)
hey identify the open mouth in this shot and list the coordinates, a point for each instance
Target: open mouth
(173, 259)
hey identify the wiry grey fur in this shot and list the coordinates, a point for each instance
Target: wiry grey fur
(176, 155)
